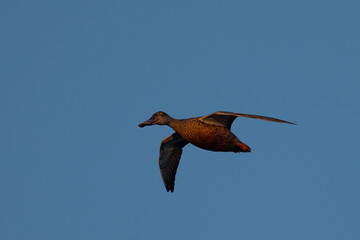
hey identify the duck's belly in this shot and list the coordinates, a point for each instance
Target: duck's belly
(212, 138)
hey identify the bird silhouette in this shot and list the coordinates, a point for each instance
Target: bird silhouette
(211, 132)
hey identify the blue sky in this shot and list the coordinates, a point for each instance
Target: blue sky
(77, 77)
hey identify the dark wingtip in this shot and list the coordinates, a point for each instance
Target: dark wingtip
(169, 188)
(292, 123)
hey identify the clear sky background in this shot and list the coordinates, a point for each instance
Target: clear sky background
(76, 77)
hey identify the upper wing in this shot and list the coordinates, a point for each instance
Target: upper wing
(170, 154)
(225, 119)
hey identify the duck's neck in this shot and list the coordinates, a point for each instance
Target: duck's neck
(177, 124)
(173, 122)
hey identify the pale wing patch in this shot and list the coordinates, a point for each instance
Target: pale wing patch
(219, 119)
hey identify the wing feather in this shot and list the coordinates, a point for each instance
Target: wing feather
(225, 119)
(170, 154)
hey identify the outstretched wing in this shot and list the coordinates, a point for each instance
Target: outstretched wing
(170, 154)
(225, 119)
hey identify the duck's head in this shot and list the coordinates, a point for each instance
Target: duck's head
(159, 118)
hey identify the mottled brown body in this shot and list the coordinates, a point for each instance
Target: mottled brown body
(207, 136)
